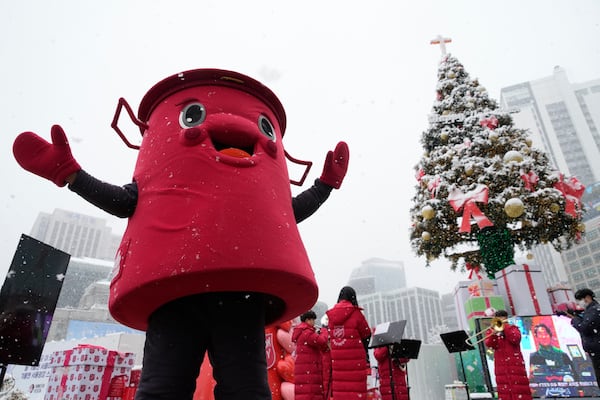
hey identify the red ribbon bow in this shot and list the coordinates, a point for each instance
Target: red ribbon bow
(433, 186)
(572, 190)
(474, 291)
(531, 179)
(467, 201)
(491, 123)
(473, 269)
(420, 173)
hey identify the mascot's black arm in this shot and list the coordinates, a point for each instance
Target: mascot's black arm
(121, 200)
(309, 201)
(116, 200)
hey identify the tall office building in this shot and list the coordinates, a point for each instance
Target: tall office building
(378, 275)
(582, 262)
(421, 308)
(77, 234)
(381, 290)
(449, 314)
(563, 119)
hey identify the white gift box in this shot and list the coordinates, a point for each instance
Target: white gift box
(464, 290)
(524, 290)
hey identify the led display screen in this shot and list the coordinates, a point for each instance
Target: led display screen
(556, 364)
(28, 300)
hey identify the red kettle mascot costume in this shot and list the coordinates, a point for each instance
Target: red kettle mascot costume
(211, 253)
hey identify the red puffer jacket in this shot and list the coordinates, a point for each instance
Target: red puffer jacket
(308, 370)
(347, 329)
(509, 366)
(398, 375)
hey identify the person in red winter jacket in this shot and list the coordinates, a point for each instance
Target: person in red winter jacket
(349, 334)
(326, 357)
(509, 366)
(308, 369)
(397, 376)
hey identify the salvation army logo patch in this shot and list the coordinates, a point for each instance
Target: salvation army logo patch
(269, 350)
(338, 336)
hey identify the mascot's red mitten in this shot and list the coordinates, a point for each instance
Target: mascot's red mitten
(52, 161)
(336, 165)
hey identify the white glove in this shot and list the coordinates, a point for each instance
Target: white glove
(324, 320)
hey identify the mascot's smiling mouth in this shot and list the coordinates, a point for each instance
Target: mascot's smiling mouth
(244, 151)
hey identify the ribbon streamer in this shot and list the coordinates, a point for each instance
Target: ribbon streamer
(473, 269)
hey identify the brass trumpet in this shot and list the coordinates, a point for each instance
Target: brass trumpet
(497, 325)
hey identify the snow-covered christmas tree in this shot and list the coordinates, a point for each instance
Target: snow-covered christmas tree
(483, 190)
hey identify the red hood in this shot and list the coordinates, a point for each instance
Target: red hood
(341, 312)
(298, 330)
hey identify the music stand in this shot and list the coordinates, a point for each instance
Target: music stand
(456, 342)
(407, 348)
(387, 333)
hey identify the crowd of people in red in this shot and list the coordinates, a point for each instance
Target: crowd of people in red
(333, 361)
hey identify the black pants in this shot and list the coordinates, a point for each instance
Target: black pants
(596, 364)
(229, 326)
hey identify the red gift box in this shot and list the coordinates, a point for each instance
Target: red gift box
(88, 373)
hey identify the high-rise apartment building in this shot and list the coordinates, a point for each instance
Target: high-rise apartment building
(563, 119)
(77, 234)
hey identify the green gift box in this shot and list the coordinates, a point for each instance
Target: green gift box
(475, 307)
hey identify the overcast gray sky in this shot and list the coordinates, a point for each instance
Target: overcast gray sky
(363, 72)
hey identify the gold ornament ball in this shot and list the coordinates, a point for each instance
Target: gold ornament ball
(444, 135)
(529, 256)
(554, 208)
(426, 236)
(493, 136)
(469, 171)
(427, 212)
(451, 74)
(514, 207)
(528, 142)
(581, 227)
(513, 156)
